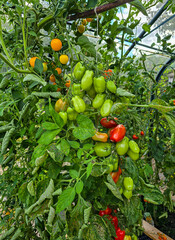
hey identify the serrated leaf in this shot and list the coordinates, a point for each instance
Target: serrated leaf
(65, 147)
(139, 6)
(122, 92)
(74, 144)
(65, 199)
(73, 173)
(118, 108)
(85, 129)
(87, 146)
(171, 122)
(48, 136)
(34, 78)
(49, 126)
(79, 187)
(79, 153)
(87, 212)
(55, 152)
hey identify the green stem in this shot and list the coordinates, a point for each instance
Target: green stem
(45, 21)
(13, 67)
(23, 33)
(3, 45)
(137, 105)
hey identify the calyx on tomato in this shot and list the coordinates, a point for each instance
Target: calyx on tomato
(108, 123)
(118, 133)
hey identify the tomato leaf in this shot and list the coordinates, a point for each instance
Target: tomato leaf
(65, 199)
(49, 126)
(34, 78)
(85, 129)
(55, 152)
(139, 6)
(113, 188)
(122, 92)
(38, 66)
(79, 187)
(65, 147)
(74, 144)
(73, 173)
(48, 136)
(89, 169)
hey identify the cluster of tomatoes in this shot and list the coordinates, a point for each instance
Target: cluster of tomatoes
(56, 45)
(81, 28)
(120, 234)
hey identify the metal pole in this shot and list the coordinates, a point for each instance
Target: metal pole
(141, 35)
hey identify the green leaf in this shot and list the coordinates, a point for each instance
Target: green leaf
(118, 108)
(79, 153)
(87, 146)
(53, 170)
(139, 6)
(3, 106)
(91, 3)
(65, 199)
(87, 212)
(38, 66)
(79, 187)
(38, 152)
(113, 188)
(48, 136)
(32, 33)
(73, 173)
(87, 46)
(89, 169)
(98, 170)
(34, 78)
(74, 144)
(150, 192)
(85, 129)
(122, 92)
(55, 152)
(65, 147)
(49, 126)
(146, 27)
(23, 192)
(131, 169)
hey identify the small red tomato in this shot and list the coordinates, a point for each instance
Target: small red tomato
(115, 210)
(102, 213)
(142, 133)
(108, 211)
(115, 221)
(135, 137)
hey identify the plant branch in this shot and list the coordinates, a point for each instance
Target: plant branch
(12, 66)
(99, 9)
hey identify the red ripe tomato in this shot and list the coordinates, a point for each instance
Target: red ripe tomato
(115, 221)
(108, 211)
(102, 213)
(135, 137)
(118, 133)
(142, 133)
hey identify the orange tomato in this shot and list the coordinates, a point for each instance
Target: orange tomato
(52, 78)
(89, 19)
(59, 71)
(32, 61)
(68, 83)
(56, 44)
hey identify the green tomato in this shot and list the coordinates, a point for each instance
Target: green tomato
(91, 92)
(110, 168)
(86, 81)
(111, 86)
(127, 193)
(79, 104)
(106, 108)
(122, 146)
(128, 183)
(134, 146)
(99, 84)
(76, 90)
(132, 155)
(71, 114)
(63, 115)
(79, 71)
(98, 100)
(102, 149)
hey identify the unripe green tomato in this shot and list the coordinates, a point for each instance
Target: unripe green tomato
(134, 237)
(91, 92)
(63, 115)
(86, 81)
(77, 91)
(79, 104)
(102, 149)
(127, 193)
(134, 146)
(71, 114)
(122, 146)
(79, 71)
(106, 108)
(132, 155)
(98, 100)
(128, 183)
(99, 84)
(111, 86)
(110, 168)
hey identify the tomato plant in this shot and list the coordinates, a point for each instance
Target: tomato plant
(62, 174)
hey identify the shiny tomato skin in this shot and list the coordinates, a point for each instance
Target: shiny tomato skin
(102, 213)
